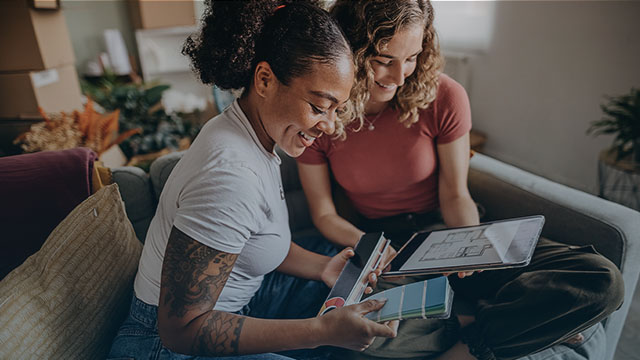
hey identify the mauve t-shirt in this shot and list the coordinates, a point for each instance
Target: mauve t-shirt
(393, 169)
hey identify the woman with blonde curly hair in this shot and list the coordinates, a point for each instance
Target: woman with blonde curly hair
(401, 156)
(404, 151)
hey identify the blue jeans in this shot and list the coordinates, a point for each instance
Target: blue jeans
(279, 297)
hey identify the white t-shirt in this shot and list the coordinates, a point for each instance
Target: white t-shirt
(226, 193)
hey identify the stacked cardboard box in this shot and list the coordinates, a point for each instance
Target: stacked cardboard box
(154, 14)
(36, 66)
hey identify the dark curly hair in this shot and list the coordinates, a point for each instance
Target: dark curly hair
(236, 35)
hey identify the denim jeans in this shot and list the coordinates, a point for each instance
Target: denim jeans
(279, 297)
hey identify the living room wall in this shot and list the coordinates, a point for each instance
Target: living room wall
(540, 82)
(534, 89)
(87, 21)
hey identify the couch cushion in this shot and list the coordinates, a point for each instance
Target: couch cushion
(68, 300)
(38, 190)
(139, 198)
(160, 170)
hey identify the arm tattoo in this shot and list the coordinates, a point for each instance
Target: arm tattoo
(193, 276)
(219, 334)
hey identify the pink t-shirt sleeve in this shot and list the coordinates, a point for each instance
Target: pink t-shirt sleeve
(317, 153)
(452, 111)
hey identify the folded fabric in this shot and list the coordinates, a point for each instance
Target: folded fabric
(38, 190)
(423, 299)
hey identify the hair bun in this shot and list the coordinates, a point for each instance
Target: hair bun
(222, 52)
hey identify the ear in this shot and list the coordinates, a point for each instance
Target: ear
(264, 80)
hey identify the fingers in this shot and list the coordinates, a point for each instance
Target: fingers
(385, 262)
(347, 253)
(386, 330)
(463, 274)
(373, 279)
(393, 324)
(368, 306)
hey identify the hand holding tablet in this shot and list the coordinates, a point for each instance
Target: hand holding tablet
(499, 244)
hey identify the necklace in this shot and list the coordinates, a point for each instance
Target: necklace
(370, 123)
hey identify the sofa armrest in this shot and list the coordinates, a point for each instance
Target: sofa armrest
(572, 217)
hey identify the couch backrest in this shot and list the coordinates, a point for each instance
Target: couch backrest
(141, 191)
(502, 199)
(571, 216)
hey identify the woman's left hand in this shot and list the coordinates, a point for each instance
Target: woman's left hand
(463, 274)
(333, 268)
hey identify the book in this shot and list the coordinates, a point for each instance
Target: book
(491, 245)
(353, 278)
(423, 299)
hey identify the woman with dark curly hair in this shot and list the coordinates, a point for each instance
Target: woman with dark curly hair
(222, 222)
(402, 162)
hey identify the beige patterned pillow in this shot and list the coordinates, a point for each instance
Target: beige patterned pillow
(67, 300)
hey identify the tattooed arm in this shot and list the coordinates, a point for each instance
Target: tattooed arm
(193, 276)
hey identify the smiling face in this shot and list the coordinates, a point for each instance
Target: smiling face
(294, 115)
(396, 61)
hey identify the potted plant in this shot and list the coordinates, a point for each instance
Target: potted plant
(140, 108)
(622, 118)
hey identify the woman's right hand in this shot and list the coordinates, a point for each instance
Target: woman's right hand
(348, 328)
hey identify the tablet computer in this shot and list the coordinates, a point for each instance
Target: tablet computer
(492, 245)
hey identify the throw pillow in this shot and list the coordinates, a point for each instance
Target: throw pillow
(67, 300)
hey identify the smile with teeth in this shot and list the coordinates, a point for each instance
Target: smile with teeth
(306, 137)
(388, 87)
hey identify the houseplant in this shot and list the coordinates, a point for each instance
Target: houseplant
(140, 108)
(622, 119)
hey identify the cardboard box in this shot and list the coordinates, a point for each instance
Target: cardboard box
(154, 14)
(45, 4)
(32, 39)
(54, 90)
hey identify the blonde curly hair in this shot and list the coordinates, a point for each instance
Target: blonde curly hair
(369, 26)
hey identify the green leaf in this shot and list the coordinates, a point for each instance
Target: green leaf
(622, 118)
(153, 95)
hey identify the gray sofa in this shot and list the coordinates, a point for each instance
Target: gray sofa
(572, 217)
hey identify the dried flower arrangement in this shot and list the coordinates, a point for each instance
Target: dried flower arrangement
(88, 128)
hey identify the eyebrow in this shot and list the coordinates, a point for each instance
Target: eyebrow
(393, 57)
(325, 95)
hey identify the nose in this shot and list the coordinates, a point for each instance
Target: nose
(397, 74)
(328, 125)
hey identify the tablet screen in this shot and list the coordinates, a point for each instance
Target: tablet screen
(496, 244)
